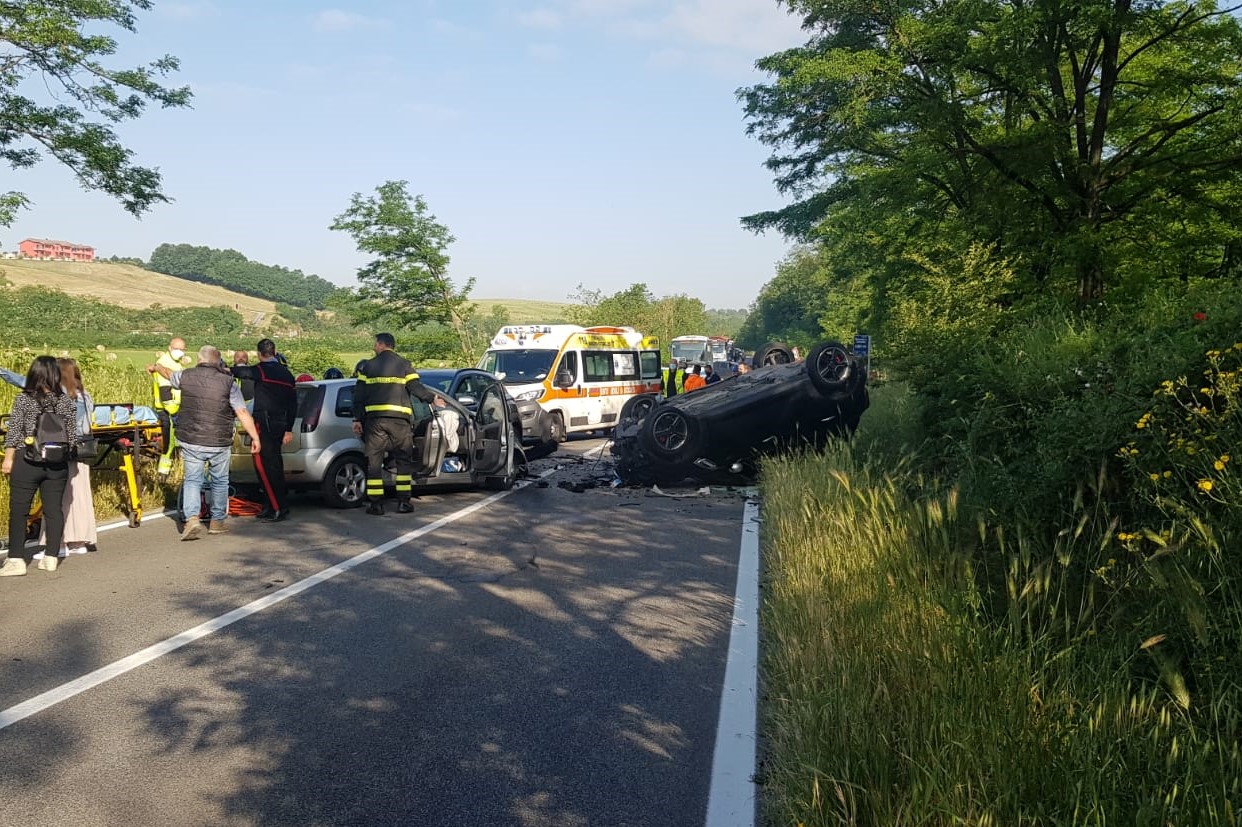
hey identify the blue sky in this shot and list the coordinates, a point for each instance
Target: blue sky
(563, 142)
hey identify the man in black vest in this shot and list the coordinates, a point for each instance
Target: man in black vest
(383, 417)
(210, 399)
(275, 408)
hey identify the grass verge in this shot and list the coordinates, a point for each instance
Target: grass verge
(919, 668)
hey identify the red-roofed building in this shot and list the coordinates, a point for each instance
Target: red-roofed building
(48, 249)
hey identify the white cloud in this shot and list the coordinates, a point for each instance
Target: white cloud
(336, 20)
(546, 52)
(441, 26)
(540, 19)
(304, 71)
(434, 116)
(758, 26)
(668, 59)
(609, 7)
(231, 95)
(754, 27)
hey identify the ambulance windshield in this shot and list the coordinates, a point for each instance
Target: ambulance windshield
(519, 367)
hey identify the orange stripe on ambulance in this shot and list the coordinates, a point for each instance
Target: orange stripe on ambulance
(582, 376)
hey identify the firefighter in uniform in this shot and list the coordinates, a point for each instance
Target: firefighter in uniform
(167, 401)
(383, 417)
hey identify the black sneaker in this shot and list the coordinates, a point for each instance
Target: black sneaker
(405, 507)
(375, 508)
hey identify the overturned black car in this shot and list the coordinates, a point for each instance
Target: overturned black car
(718, 433)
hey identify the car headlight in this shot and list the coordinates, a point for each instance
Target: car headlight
(529, 396)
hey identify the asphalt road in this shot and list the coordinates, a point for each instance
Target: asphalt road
(554, 657)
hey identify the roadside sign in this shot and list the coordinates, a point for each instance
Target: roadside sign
(862, 345)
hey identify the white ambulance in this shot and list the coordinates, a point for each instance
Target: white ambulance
(581, 376)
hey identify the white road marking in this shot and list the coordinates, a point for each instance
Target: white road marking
(731, 797)
(65, 691)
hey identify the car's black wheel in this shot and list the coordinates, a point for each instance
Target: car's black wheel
(636, 408)
(830, 367)
(345, 483)
(670, 434)
(556, 427)
(773, 353)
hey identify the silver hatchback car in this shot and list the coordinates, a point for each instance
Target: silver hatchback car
(458, 446)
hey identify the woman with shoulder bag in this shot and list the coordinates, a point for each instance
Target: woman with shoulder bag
(29, 471)
(79, 506)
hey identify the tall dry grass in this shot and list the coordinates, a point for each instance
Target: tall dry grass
(921, 668)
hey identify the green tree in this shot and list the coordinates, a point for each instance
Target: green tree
(51, 45)
(677, 315)
(232, 270)
(636, 307)
(485, 327)
(408, 278)
(583, 302)
(1061, 131)
(629, 307)
(724, 321)
(789, 307)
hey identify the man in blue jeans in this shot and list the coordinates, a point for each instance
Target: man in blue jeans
(210, 399)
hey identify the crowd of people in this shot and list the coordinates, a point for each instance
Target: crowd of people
(677, 379)
(198, 409)
(45, 426)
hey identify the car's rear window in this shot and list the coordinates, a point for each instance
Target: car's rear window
(310, 406)
(345, 402)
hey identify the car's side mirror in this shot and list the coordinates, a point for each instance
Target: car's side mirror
(564, 379)
(467, 400)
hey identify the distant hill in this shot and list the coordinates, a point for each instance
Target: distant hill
(233, 271)
(131, 287)
(136, 288)
(525, 311)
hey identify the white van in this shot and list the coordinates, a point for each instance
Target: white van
(581, 376)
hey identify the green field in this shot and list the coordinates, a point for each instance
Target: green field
(134, 287)
(525, 311)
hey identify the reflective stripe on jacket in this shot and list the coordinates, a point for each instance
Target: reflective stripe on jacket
(167, 398)
(385, 384)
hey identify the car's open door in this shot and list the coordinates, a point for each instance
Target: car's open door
(430, 445)
(491, 449)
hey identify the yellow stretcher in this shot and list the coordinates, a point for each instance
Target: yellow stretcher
(132, 441)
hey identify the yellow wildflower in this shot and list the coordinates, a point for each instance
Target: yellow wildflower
(1168, 474)
(1156, 477)
(1205, 485)
(1218, 465)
